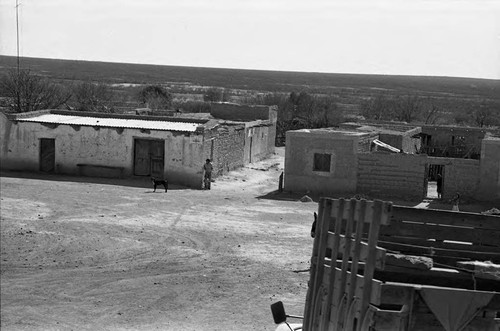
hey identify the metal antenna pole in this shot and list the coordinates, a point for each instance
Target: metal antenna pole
(17, 30)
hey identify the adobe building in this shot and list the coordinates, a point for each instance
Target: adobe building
(404, 137)
(348, 162)
(113, 145)
(260, 127)
(322, 160)
(454, 141)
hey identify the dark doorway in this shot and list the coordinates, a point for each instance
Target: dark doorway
(250, 151)
(47, 155)
(434, 171)
(149, 157)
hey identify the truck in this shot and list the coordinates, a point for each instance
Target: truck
(380, 267)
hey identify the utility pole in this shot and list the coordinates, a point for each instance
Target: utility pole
(17, 30)
(18, 83)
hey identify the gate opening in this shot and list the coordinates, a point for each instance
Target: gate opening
(435, 181)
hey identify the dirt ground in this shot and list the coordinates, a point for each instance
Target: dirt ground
(98, 254)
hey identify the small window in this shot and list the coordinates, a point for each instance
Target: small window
(322, 162)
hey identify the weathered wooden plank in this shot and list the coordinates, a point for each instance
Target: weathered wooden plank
(440, 255)
(445, 217)
(379, 209)
(353, 280)
(336, 212)
(387, 320)
(367, 214)
(440, 232)
(395, 294)
(453, 245)
(345, 251)
(362, 255)
(437, 277)
(359, 284)
(317, 262)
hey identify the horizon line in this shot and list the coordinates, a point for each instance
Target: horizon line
(253, 69)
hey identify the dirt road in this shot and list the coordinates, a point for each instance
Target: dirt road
(88, 254)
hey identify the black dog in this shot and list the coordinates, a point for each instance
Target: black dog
(157, 182)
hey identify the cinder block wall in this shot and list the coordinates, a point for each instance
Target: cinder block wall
(391, 174)
(364, 143)
(462, 176)
(392, 139)
(224, 145)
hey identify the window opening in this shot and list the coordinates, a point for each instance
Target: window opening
(322, 162)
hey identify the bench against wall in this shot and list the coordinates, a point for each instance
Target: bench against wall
(93, 170)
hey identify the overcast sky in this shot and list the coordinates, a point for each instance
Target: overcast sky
(401, 37)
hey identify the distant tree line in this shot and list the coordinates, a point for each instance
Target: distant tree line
(413, 108)
(25, 91)
(300, 110)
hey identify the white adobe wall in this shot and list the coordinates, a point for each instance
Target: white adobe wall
(20, 149)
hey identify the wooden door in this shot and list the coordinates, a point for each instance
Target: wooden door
(250, 150)
(149, 156)
(142, 166)
(47, 155)
(156, 153)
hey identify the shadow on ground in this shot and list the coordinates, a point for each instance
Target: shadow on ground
(140, 182)
(294, 196)
(468, 206)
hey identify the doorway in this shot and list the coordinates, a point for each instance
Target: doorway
(149, 157)
(435, 179)
(250, 150)
(47, 155)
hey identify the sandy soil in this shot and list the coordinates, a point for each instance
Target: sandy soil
(96, 254)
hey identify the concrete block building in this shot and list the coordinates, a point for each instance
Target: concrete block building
(346, 162)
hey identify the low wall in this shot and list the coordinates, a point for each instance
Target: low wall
(390, 174)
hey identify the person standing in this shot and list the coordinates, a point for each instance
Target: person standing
(207, 177)
(439, 183)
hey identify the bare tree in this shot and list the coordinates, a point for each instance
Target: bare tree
(482, 116)
(155, 97)
(94, 97)
(407, 108)
(215, 94)
(431, 113)
(377, 108)
(29, 92)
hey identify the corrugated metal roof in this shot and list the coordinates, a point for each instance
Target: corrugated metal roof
(112, 122)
